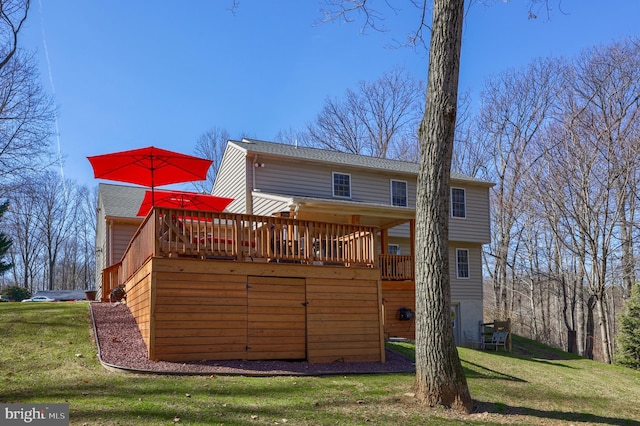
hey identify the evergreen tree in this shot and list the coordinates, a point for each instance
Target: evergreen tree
(629, 334)
(5, 242)
(16, 294)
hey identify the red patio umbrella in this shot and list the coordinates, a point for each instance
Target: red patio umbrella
(183, 200)
(150, 167)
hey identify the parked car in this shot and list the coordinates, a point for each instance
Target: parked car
(39, 299)
(4, 298)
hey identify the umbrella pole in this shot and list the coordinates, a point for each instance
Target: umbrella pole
(153, 197)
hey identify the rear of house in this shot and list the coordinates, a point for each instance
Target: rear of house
(267, 178)
(312, 260)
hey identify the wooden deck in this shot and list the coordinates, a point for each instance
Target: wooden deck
(222, 286)
(250, 238)
(189, 310)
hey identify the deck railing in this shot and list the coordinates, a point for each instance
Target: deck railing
(396, 267)
(110, 280)
(208, 235)
(141, 247)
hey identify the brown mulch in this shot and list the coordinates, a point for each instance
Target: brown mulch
(120, 346)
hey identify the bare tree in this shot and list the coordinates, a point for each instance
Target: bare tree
(211, 145)
(601, 122)
(13, 14)
(53, 226)
(471, 150)
(26, 113)
(572, 233)
(378, 119)
(390, 110)
(614, 74)
(5, 241)
(86, 233)
(75, 267)
(23, 227)
(56, 216)
(338, 127)
(516, 105)
(291, 136)
(440, 379)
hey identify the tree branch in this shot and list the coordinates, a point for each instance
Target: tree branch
(7, 10)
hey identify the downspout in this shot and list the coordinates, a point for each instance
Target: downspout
(108, 261)
(249, 202)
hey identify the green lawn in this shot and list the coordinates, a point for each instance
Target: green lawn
(47, 356)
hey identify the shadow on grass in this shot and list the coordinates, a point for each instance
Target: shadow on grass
(490, 374)
(536, 358)
(506, 410)
(155, 386)
(531, 349)
(212, 414)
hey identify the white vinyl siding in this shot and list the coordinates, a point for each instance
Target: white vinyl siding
(398, 190)
(263, 206)
(232, 177)
(341, 185)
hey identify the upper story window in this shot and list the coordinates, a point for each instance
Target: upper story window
(458, 203)
(341, 185)
(398, 193)
(462, 263)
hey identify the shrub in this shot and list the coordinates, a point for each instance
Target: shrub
(628, 353)
(16, 293)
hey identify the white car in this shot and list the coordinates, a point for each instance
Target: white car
(39, 299)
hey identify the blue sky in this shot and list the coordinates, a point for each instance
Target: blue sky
(128, 74)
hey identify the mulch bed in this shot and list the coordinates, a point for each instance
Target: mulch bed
(121, 346)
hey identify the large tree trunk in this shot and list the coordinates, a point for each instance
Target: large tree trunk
(626, 236)
(604, 330)
(590, 329)
(440, 379)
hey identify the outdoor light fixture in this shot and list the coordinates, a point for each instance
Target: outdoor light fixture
(405, 314)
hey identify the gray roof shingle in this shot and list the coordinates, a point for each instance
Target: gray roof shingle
(342, 158)
(121, 200)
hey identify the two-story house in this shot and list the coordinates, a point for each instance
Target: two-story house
(312, 260)
(266, 178)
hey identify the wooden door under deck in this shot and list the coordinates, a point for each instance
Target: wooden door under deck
(276, 326)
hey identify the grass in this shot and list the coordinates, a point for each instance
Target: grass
(47, 356)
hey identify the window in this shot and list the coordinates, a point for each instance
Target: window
(398, 193)
(393, 249)
(462, 263)
(458, 203)
(341, 185)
